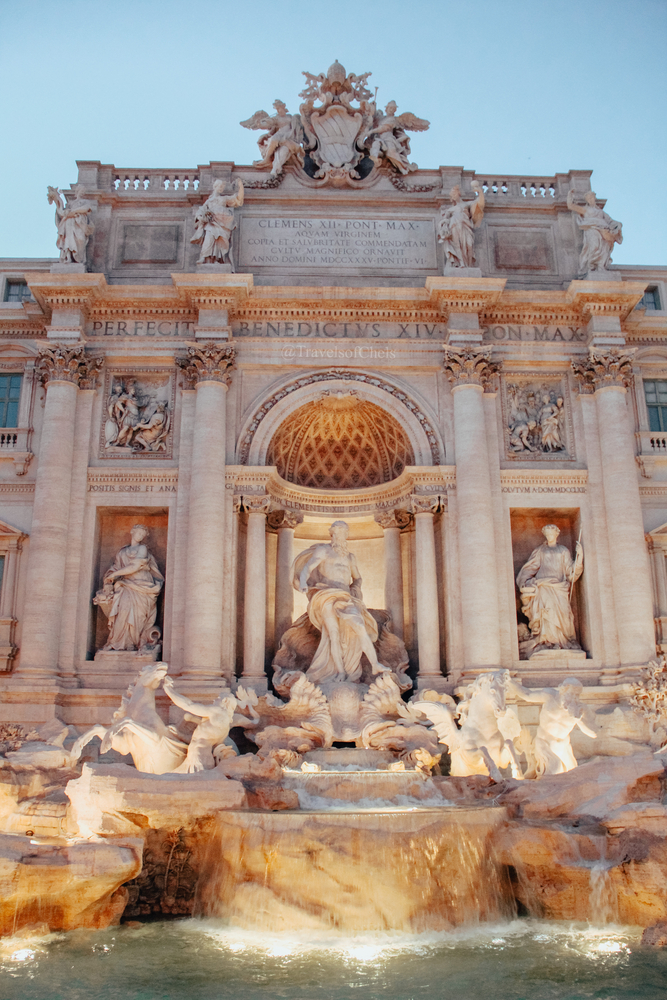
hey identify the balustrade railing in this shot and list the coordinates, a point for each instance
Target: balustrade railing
(517, 187)
(155, 181)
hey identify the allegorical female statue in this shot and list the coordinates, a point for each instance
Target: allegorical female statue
(600, 233)
(129, 596)
(214, 222)
(455, 229)
(545, 583)
(74, 226)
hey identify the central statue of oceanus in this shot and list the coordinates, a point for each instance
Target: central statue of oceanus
(329, 575)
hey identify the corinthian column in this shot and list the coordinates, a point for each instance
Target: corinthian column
(209, 368)
(285, 521)
(254, 603)
(428, 617)
(608, 374)
(469, 371)
(62, 370)
(393, 567)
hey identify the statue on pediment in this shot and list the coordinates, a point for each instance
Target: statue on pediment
(73, 223)
(457, 224)
(282, 140)
(388, 139)
(600, 231)
(215, 223)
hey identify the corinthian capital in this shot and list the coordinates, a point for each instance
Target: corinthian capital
(598, 370)
(59, 363)
(467, 366)
(208, 363)
(393, 518)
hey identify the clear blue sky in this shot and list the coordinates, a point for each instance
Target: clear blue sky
(509, 87)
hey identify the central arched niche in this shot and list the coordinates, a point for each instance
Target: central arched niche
(340, 442)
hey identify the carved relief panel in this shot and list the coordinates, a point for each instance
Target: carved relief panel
(137, 414)
(537, 417)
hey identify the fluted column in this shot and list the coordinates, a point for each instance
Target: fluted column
(62, 369)
(254, 603)
(209, 368)
(428, 616)
(608, 374)
(285, 522)
(469, 371)
(393, 567)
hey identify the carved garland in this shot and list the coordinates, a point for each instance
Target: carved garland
(348, 376)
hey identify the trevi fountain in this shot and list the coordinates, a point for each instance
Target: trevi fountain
(333, 526)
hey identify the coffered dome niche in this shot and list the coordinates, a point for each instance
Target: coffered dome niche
(340, 442)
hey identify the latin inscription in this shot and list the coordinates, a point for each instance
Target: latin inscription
(394, 331)
(507, 332)
(130, 488)
(140, 328)
(292, 242)
(543, 489)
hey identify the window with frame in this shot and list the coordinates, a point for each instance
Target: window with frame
(17, 291)
(10, 395)
(650, 299)
(655, 391)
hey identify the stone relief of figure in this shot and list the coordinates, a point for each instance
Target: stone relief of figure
(387, 137)
(215, 223)
(283, 139)
(600, 233)
(135, 419)
(73, 223)
(536, 419)
(129, 594)
(545, 583)
(561, 712)
(329, 575)
(213, 724)
(456, 225)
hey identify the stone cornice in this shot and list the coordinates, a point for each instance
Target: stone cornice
(605, 298)
(67, 291)
(464, 295)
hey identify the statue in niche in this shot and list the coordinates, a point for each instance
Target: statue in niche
(129, 596)
(456, 225)
(545, 583)
(561, 711)
(329, 575)
(600, 233)
(387, 137)
(136, 419)
(73, 223)
(215, 223)
(283, 139)
(536, 420)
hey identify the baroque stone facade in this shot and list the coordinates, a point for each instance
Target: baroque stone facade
(224, 360)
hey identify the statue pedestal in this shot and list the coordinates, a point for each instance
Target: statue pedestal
(116, 668)
(214, 269)
(603, 276)
(68, 269)
(461, 272)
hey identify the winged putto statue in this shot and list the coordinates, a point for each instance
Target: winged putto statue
(338, 127)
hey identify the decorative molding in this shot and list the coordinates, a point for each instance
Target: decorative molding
(433, 504)
(603, 369)
(348, 375)
(543, 482)
(253, 504)
(469, 366)
(59, 363)
(283, 519)
(397, 518)
(207, 363)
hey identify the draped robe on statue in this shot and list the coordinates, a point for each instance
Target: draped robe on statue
(355, 623)
(545, 582)
(134, 607)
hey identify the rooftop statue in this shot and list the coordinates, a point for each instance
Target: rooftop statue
(545, 583)
(600, 233)
(282, 140)
(387, 138)
(456, 225)
(129, 596)
(74, 225)
(215, 223)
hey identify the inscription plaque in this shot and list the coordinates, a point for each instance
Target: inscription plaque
(150, 244)
(341, 243)
(524, 249)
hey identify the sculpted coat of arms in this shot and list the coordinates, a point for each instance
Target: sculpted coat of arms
(339, 136)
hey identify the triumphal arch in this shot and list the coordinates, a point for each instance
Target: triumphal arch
(225, 361)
